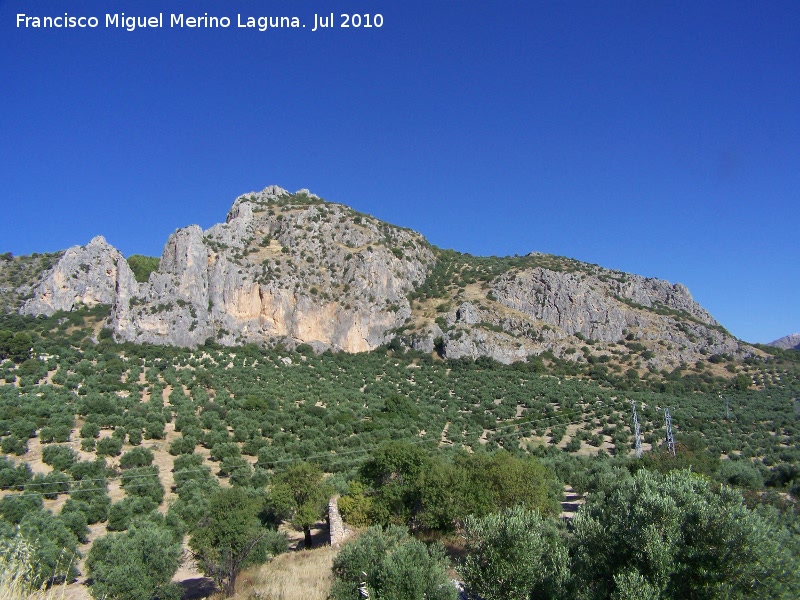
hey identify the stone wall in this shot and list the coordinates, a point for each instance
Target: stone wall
(339, 533)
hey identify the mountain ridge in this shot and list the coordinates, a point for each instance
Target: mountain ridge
(787, 342)
(297, 269)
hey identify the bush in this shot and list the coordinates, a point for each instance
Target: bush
(14, 445)
(142, 266)
(55, 548)
(741, 473)
(88, 469)
(222, 450)
(397, 567)
(356, 505)
(143, 482)
(14, 507)
(50, 485)
(183, 445)
(154, 430)
(514, 555)
(123, 513)
(61, 458)
(136, 565)
(138, 457)
(90, 430)
(135, 436)
(666, 531)
(12, 477)
(93, 498)
(76, 522)
(109, 447)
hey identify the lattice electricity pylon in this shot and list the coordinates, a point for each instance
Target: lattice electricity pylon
(363, 590)
(636, 433)
(670, 437)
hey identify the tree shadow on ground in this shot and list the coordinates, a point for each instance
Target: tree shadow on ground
(196, 587)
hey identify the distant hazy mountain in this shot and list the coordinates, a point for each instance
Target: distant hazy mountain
(790, 342)
(292, 268)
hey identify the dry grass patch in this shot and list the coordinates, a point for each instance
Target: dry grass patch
(302, 575)
(15, 570)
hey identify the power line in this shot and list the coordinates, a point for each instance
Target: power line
(327, 455)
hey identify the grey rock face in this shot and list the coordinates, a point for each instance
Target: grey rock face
(789, 342)
(84, 275)
(537, 309)
(564, 300)
(596, 308)
(480, 342)
(466, 313)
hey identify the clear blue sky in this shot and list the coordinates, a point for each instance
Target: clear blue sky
(660, 138)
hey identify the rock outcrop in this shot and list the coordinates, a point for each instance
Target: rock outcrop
(538, 309)
(294, 268)
(84, 275)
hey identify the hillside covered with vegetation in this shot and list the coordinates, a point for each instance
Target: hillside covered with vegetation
(110, 447)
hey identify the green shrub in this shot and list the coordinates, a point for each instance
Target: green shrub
(143, 482)
(61, 458)
(137, 457)
(108, 447)
(14, 507)
(54, 548)
(668, 530)
(397, 567)
(135, 565)
(514, 555)
(142, 266)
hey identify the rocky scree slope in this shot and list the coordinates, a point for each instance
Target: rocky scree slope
(294, 268)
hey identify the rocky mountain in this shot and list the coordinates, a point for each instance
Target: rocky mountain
(281, 266)
(294, 268)
(789, 342)
(19, 275)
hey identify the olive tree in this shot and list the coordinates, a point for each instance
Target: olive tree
(230, 537)
(391, 565)
(136, 565)
(300, 494)
(676, 536)
(514, 554)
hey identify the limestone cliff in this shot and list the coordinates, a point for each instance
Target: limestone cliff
(281, 266)
(536, 310)
(83, 275)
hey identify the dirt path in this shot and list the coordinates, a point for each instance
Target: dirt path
(572, 502)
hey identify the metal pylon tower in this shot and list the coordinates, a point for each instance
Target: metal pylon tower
(363, 590)
(636, 432)
(670, 437)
